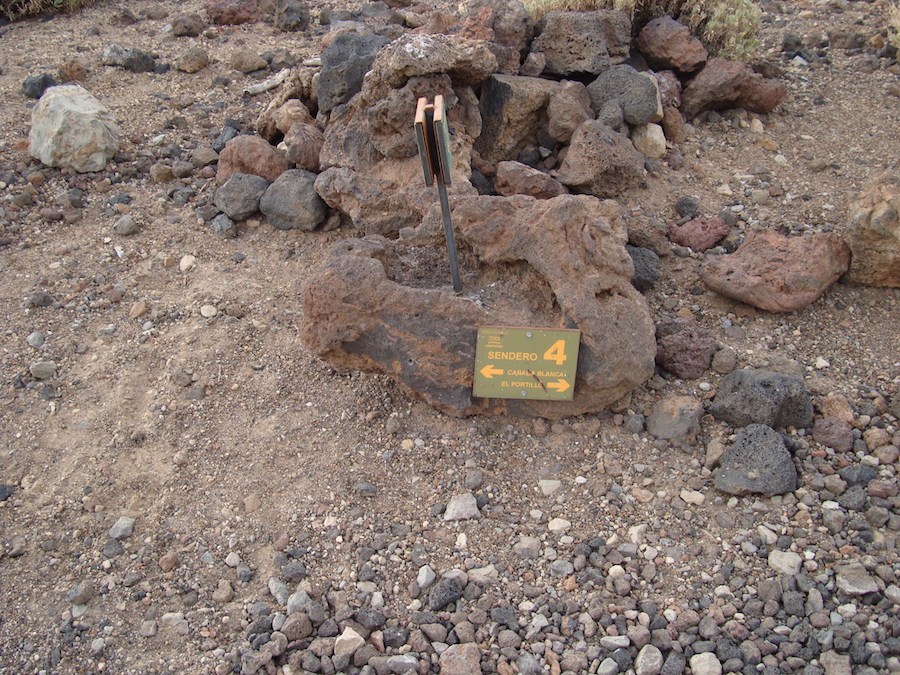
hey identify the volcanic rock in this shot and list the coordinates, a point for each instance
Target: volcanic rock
(623, 88)
(239, 196)
(667, 43)
(344, 64)
(757, 462)
(291, 202)
(583, 42)
(304, 144)
(730, 84)
(601, 162)
(778, 273)
(251, 154)
(874, 235)
(569, 108)
(514, 178)
(562, 262)
(684, 348)
(763, 397)
(231, 12)
(699, 234)
(72, 129)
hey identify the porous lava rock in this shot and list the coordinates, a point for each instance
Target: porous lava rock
(601, 162)
(757, 462)
(874, 235)
(383, 306)
(763, 397)
(583, 42)
(684, 348)
(515, 178)
(778, 273)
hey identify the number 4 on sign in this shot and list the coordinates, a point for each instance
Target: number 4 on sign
(556, 353)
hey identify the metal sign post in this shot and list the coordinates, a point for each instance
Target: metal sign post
(433, 139)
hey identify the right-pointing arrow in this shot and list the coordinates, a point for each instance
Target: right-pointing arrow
(559, 386)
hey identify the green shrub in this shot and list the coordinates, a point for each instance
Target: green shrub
(16, 9)
(727, 27)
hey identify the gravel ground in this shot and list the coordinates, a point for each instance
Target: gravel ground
(191, 491)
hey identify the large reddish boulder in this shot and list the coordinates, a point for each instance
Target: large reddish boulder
(669, 44)
(253, 155)
(384, 306)
(730, 84)
(778, 273)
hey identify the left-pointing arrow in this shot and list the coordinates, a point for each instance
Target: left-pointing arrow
(489, 371)
(559, 386)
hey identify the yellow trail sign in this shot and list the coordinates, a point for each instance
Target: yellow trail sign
(530, 363)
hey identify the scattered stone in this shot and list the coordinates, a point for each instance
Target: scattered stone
(253, 155)
(42, 370)
(72, 129)
(646, 267)
(528, 547)
(231, 12)
(461, 659)
(627, 90)
(188, 25)
(836, 664)
(833, 433)
(763, 397)
(6, 492)
(81, 593)
(445, 592)
(34, 86)
(699, 234)
(583, 42)
(684, 348)
(125, 226)
(224, 227)
(705, 664)
(516, 178)
(169, 561)
(133, 60)
(247, 61)
(649, 661)
(291, 16)
(193, 60)
(304, 145)
(558, 525)
(650, 140)
(239, 196)
(874, 236)
(291, 202)
(667, 43)
(224, 593)
(854, 580)
(462, 507)
(675, 418)
(778, 273)
(757, 462)
(148, 628)
(730, 84)
(348, 642)
(122, 528)
(601, 162)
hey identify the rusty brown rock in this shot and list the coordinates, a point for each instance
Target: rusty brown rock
(380, 306)
(730, 84)
(778, 273)
(874, 236)
(601, 162)
(230, 12)
(253, 155)
(505, 25)
(300, 85)
(684, 348)
(569, 108)
(669, 88)
(833, 433)
(304, 143)
(669, 44)
(699, 234)
(514, 178)
(673, 125)
(291, 113)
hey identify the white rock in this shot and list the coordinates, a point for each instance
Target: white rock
(705, 664)
(853, 579)
(462, 507)
(649, 661)
(892, 593)
(785, 562)
(608, 667)
(348, 642)
(557, 525)
(548, 487)
(187, 263)
(208, 311)
(613, 642)
(835, 664)
(425, 577)
(122, 529)
(233, 559)
(650, 140)
(71, 129)
(484, 576)
(768, 537)
(692, 497)
(528, 547)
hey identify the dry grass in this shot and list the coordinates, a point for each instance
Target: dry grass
(727, 27)
(16, 9)
(893, 20)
